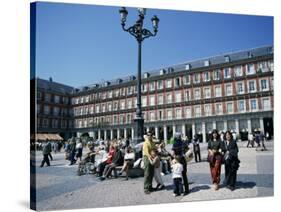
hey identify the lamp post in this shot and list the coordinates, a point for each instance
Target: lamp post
(140, 34)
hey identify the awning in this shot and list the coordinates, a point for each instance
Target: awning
(55, 137)
(49, 136)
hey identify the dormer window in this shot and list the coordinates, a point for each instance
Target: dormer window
(207, 63)
(171, 69)
(146, 75)
(250, 54)
(132, 77)
(226, 59)
(187, 67)
(119, 81)
(162, 71)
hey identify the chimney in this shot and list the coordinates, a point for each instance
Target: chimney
(51, 79)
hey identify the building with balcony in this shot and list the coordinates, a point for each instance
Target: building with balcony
(233, 91)
(53, 108)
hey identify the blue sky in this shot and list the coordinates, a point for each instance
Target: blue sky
(84, 44)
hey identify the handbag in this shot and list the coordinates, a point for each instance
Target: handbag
(188, 155)
(211, 159)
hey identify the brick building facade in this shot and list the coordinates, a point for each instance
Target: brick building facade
(232, 91)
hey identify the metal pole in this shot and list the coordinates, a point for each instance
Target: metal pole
(138, 138)
(140, 34)
(138, 112)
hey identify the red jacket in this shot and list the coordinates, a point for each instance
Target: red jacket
(110, 156)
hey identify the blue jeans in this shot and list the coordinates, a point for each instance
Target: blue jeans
(178, 187)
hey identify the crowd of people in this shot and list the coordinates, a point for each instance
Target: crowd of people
(259, 138)
(111, 159)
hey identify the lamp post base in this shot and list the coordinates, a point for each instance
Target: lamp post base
(138, 136)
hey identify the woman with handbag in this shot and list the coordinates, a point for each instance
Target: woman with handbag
(231, 161)
(129, 159)
(215, 149)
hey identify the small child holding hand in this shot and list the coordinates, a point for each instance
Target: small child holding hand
(177, 170)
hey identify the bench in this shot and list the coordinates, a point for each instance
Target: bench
(133, 172)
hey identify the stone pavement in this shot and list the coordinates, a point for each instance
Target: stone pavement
(58, 186)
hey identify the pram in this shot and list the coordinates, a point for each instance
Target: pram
(87, 165)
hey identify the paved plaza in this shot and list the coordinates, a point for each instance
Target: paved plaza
(59, 187)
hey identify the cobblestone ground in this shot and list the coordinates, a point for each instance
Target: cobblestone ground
(58, 186)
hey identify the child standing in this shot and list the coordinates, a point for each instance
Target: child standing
(177, 170)
(155, 161)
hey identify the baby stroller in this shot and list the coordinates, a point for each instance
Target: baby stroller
(87, 165)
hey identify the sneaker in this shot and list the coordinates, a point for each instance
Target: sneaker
(231, 188)
(161, 187)
(216, 187)
(152, 189)
(147, 192)
(175, 195)
(157, 186)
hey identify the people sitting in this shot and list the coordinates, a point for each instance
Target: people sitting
(129, 159)
(102, 157)
(102, 165)
(117, 160)
(87, 165)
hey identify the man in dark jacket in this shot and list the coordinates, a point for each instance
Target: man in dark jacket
(116, 161)
(47, 148)
(196, 149)
(72, 148)
(50, 155)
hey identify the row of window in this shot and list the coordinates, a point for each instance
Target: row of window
(225, 73)
(184, 112)
(54, 123)
(48, 110)
(52, 98)
(178, 96)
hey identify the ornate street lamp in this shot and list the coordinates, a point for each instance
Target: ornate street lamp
(140, 34)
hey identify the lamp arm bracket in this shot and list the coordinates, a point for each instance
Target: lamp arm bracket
(147, 33)
(132, 30)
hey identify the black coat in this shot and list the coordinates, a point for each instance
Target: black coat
(232, 159)
(118, 158)
(232, 149)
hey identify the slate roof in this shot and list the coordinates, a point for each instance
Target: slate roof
(54, 86)
(194, 64)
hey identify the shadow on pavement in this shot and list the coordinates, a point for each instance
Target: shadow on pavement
(199, 188)
(194, 189)
(169, 187)
(245, 185)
